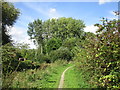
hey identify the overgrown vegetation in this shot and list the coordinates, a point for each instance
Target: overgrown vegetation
(60, 41)
(100, 57)
(75, 79)
(47, 76)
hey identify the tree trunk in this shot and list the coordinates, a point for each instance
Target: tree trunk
(41, 48)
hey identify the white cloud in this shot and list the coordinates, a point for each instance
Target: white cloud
(28, 41)
(19, 35)
(104, 1)
(52, 10)
(101, 2)
(91, 28)
(53, 13)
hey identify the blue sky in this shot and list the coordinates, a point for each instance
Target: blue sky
(89, 12)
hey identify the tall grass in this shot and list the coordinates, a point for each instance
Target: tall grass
(75, 79)
(47, 76)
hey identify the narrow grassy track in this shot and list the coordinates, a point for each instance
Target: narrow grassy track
(62, 77)
(73, 79)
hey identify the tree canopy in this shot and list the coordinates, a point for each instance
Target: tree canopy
(9, 17)
(62, 28)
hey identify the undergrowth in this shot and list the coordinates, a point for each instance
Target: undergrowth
(47, 76)
(75, 79)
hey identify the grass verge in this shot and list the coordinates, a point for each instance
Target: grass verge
(46, 78)
(74, 79)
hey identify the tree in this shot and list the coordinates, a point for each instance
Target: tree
(53, 44)
(61, 28)
(9, 17)
(35, 31)
(68, 28)
(46, 26)
(22, 48)
(70, 43)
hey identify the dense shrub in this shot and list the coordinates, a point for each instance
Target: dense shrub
(101, 55)
(28, 64)
(30, 54)
(53, 44)
(9, 58)
(46, 59)
(61, 53)
(43, 58)
(70, 43)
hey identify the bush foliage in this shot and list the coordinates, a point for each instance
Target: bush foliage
(62, 53)
(100, 57)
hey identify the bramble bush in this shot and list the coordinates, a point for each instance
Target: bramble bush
(108, 53)
(10, 60)
(100, 57)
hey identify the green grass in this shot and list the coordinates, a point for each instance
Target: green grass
(73, 79)
(46, 78)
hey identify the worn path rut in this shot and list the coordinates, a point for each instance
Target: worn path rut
(62, 77)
